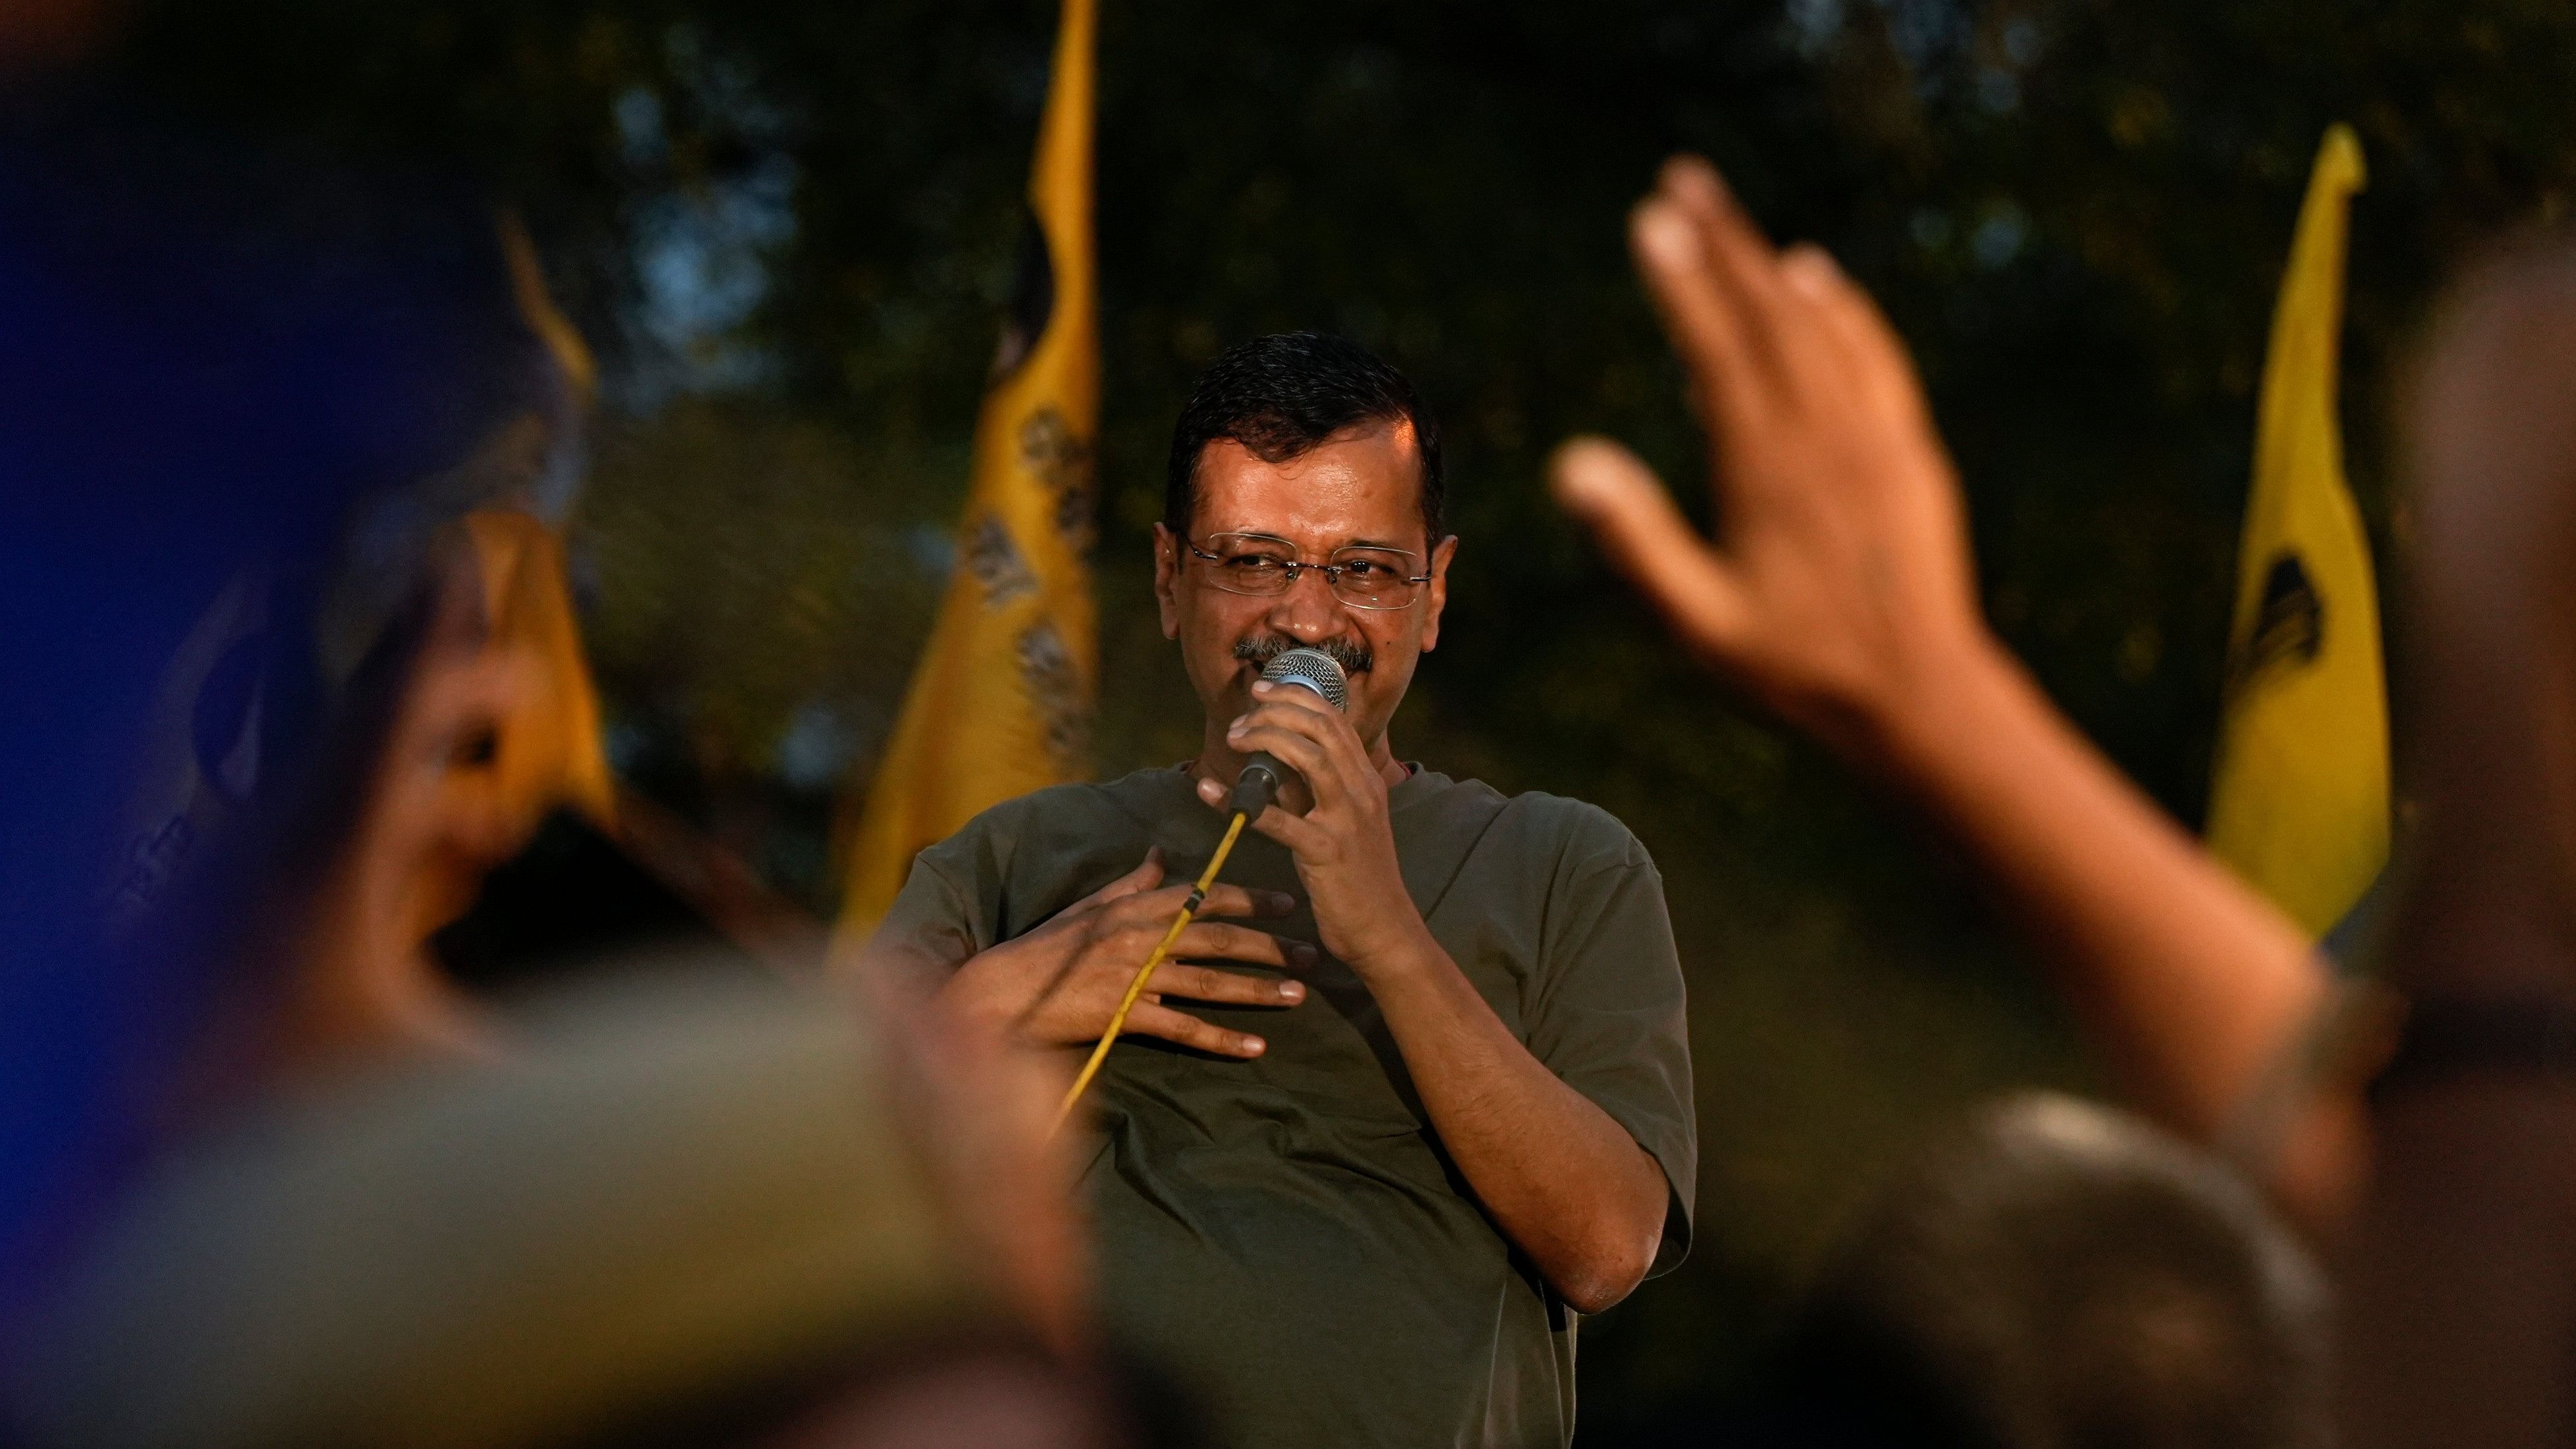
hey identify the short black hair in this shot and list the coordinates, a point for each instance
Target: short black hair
(1287, 394)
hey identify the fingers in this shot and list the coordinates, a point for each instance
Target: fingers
(1692, 183)
(1209, 940)
(1144, 877)
(1714, 280)
(1297, 697)
(1715, 346)
(1840, 356)
(1163, 903)
(1308, 714)
(1127, 929)
(1876, 359)
(1301, 837)
(1230, 900)
(1229, 988)
(1325, 737)
(1811, 287)
(1297, 751)
(1613, 492)
(1738, 257)
(1156, 1020)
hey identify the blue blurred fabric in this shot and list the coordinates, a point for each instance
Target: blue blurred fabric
(226, 382)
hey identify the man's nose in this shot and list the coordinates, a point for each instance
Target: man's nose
(1307, 612)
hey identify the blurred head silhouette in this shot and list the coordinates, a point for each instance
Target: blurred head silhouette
(2058, 1274)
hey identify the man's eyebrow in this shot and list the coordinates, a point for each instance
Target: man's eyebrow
(1377, 543)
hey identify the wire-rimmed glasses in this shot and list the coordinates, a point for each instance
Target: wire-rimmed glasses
(1360, 576)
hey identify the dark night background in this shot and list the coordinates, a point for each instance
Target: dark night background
(788, 226)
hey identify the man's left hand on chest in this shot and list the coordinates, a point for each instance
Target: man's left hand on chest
(1344, 842)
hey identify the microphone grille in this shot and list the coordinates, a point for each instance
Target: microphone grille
(1314, 669)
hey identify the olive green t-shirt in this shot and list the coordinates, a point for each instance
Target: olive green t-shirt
(1286, 1235)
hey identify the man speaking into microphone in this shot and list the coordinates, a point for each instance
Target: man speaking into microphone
(1413, 1092)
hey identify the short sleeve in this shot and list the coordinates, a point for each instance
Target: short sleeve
(1609, 1016)
(939, 918)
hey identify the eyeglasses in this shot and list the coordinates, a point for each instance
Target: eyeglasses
(1364, 578)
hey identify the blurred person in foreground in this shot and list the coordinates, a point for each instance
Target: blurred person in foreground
(248, 407)
(693, 1212)
(701, 1210)
(2460, 1279)
(267, 1179)
(1840, 594)
(2055, 1273)
(1362, 1192)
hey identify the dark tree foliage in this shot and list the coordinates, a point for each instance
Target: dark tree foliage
(789, 225)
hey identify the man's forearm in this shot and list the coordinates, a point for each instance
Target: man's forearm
(2190, 984)
(1564, 1180)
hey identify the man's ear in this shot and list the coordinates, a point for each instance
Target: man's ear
(1167, 579)
(1439, 600)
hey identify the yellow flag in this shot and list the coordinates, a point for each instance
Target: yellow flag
(545, 750)
(548, 751)
(2299, 799)
(1001, 702)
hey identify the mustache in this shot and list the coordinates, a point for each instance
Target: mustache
(1258, 650)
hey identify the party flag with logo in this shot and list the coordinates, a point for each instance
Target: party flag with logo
(2299, 799)
(1001, 702)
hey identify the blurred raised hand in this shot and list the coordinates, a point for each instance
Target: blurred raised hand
(1840, 574)
(1838, 591)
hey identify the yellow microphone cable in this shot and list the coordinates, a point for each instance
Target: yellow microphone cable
(1145, 973)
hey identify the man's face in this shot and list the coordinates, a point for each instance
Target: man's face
(1361, 488)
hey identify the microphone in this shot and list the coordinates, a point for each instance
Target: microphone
(1262, 775)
